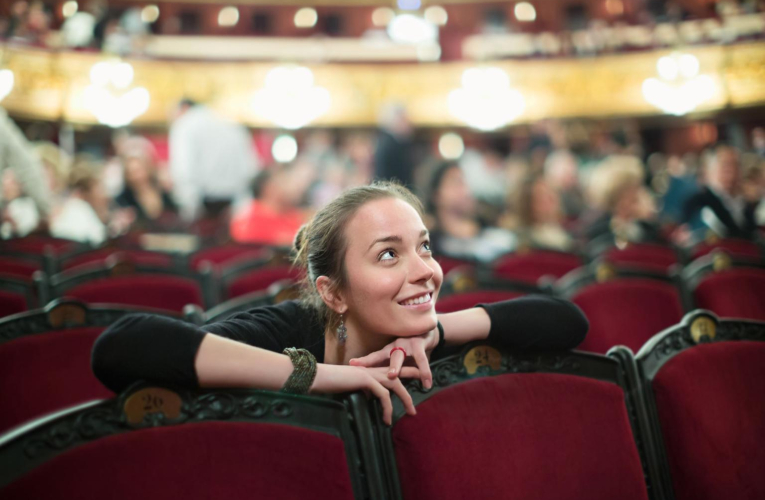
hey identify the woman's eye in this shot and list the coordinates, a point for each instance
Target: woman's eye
(387, 255)
(426, 246)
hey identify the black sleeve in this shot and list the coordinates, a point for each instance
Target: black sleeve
(163, 350)
(536, 322)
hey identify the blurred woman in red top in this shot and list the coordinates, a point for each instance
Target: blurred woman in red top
(273, 217)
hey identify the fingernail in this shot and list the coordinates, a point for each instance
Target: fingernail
(428, 384)
(392, 372)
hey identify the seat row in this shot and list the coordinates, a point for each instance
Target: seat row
(684, 419)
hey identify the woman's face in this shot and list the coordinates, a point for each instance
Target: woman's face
(392, 279)
(136, 172)
(545, 204)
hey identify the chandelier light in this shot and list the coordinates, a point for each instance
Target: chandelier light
(290, 99)
(486, 100)
(680, 88)
(110, 97)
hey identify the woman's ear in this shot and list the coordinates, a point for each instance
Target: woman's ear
(331, 295)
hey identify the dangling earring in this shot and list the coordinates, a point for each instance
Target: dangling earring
(342, 331)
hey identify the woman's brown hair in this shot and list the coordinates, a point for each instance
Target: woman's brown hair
(320, 245)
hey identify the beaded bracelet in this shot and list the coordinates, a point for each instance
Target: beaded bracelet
(304, 372)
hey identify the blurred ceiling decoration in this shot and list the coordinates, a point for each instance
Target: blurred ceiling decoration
(486, 100)
(110, 97)
(6, 83)
(49, 85)
(290, 99)
(680, 88)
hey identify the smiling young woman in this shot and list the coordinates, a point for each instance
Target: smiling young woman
(368, 303)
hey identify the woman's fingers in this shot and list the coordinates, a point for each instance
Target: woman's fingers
(409, 372)
(374, 359)
(423, 363)
(397, 357)
(406, 398)
(381, 392)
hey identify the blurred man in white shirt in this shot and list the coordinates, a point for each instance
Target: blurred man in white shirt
(212, 161)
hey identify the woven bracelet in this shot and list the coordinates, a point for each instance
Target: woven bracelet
(303, 373)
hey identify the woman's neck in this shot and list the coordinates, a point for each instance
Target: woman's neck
(356, 345)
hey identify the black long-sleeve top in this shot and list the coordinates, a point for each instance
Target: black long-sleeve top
(163, 350)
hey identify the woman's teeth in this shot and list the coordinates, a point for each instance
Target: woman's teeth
(417, 300)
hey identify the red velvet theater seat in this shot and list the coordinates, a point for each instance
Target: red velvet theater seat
(38, 245)
(733, 293)
(646, 256)
(46, 372)
(170, 293)
(627, 312)
(210, 460)
(734, 247)
(155, 444)
(101, 255)
(466, 300)
(260, 279)
(11, 303)
(529, 267)
(18, 268)
(226, 254)
(710, 403)
(520, 436)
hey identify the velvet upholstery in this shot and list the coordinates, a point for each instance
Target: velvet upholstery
(260, 279)
(196, 461)
(100, 256)
(17, 268)
(741, 248)
(733, 293)
(529, 267)
(466, 300)
(224, 255)
(520, 436)
(11, 303)
(36, 245)
(449, 263)
(46, 372)
(627, 312)
(644, 255)
(711, 406)
(157, 291)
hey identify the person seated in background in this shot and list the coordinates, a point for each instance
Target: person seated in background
(625, 210)
(455, 228)
(143, 194)
(539, 215)
(20, 215)
(562, 173)
(722, 205)
(85, 213)
(273, 217)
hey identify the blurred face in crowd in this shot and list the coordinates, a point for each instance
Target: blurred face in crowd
(724, 171)
(545, 203)
(634, 203)
(392, 279)
(453, 194)
(11, 187)
(95, 195)
(137, 172)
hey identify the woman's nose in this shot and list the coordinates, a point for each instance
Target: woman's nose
(421, 270)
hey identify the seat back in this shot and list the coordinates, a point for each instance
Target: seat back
(17, 267)
(735, 247)
(500, 425)
(154, 443)
(276, 293)
(627, 311)
(127, 283)
(530, 267)
(648, 256)
(16, 295)
(247, 279)
(45, 359)
(733, 293)
(102, 255)
(703, 387)
(224, 255)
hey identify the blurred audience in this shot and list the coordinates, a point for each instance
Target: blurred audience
(394, 154)
(722, 205)
(84, 215)
(540, 216)
(152, 206)
(212, 161)
(455, 229)
(274, 216)
(624, 208)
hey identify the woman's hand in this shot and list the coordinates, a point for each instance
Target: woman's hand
(418, 348)
(342, 378)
